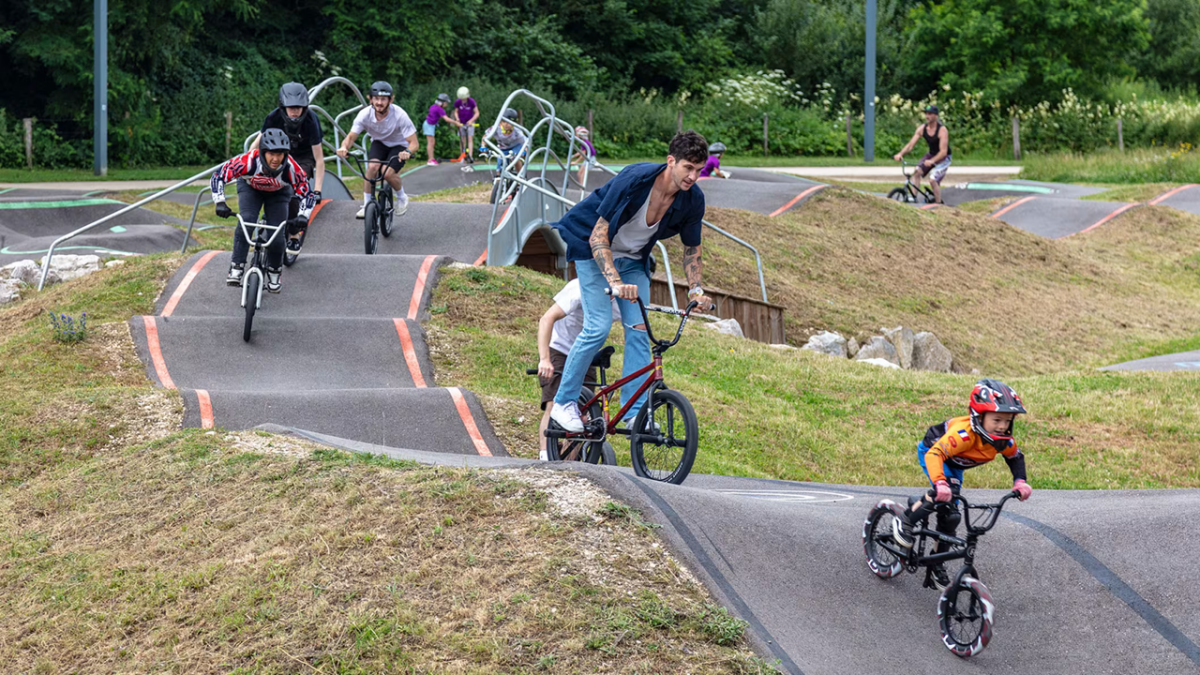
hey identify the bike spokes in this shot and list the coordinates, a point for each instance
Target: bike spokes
(666, 435)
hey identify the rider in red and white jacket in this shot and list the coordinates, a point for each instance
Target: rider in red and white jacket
(266, 180)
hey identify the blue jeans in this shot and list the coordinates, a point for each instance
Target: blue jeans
(597, 323)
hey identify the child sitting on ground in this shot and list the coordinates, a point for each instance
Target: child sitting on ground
(956, 445)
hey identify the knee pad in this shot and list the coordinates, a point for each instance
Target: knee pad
(948, 519)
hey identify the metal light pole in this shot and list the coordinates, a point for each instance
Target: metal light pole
(869, 89)
(100, 88)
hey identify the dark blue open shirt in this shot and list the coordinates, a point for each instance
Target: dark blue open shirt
(619, 200)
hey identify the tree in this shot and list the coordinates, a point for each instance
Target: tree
(1173, 58)
(1025, 51)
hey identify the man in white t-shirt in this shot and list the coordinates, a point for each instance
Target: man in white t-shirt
(392, 136)
(557, 330)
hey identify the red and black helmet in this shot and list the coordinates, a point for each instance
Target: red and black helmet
(994, 396)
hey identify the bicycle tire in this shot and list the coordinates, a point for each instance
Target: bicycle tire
(900, 195)
(669, 410)
(387, 213)
(882, 562)
(495, 191)
(966, 617)
(571, 450)
(288, 258)
(252, 281)
(371, 227)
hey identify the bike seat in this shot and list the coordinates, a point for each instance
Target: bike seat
(603, 358)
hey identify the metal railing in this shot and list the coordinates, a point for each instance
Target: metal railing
(203, 174)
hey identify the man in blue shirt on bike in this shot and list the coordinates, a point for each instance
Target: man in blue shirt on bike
(609, 237)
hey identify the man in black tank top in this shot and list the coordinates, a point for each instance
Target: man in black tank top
(935, 163)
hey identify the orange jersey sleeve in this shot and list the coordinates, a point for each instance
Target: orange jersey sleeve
(960, 447)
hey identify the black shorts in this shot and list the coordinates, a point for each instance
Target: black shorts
(387, 153)
(550, 387)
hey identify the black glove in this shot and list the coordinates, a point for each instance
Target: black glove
(223, 210)
(317, 195)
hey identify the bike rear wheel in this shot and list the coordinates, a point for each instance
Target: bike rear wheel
(667, 452)
(252, 282)
(572, 450)
(965, 616)
(371, 227)
(495, 191)
(900, 195)
(386, 213)
(878, 525)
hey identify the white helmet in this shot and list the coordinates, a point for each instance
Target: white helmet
(464, 93)
(581, 132)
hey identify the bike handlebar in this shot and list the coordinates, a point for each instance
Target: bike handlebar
(992, 509)
(359, 159)
(685, 314)
(273, 229)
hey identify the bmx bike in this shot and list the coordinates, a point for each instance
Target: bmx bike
(909, 193)
(255, 273)
(379, 212)
(665, 433)
(965, 609)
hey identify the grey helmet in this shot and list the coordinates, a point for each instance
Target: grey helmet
(716, 148)
(443, 98)
(293, 95)
(510, 114)
(274, 140)
(381, 88)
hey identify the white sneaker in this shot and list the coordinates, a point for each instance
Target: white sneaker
(402, 206)
(362, 213)
(567, 416)
(544, 456)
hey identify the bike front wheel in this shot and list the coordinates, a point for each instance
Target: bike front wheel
(900, 195)
(387, 214)
(966, 616)
(878, 527)
(665, 437)
(371, 227)
(252, 282)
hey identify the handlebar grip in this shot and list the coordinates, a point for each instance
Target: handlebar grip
(531, 371)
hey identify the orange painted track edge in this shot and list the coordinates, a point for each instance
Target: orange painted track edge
(481, 259)
(1012, 206)
(410, 354)
(1107, 218)
(464, 411)
(414, 305)
(160, 366)
(928, 207)
(1170, 193)
(206, 411)
(797, 198)
(187, 282)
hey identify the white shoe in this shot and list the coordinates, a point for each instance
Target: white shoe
(567, 416)
(543, 456)
(362, 213)
(402, 206)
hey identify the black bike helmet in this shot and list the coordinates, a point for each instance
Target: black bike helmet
(994, 396)
(510, 114)
(274, 140)
(293, 95)
(443, 98)
(382, 88)
(716, 148)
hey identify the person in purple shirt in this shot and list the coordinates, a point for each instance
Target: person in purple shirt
(712, 167)
(466, 112)
(437, 113)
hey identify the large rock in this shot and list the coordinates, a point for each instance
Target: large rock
(9, 290)
(726, 326)
(878, 348)
(902, 339)
(827, 343)
(25, 271)
(883, 363)
(930, 354)
(73, 266)
(852, 347)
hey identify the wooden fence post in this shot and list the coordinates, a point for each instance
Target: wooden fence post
(521, 117)
(849, 138)
(679, 122)
(1016, 137)
(591, 131)
(1120, 135)
(228, 130)
(766, 138)
(28, 123)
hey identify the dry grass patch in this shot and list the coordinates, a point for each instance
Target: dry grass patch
(479, 193)
(190, 555)
(1002, 300)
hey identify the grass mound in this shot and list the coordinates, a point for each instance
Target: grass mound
(1004, 301)
(798, 415)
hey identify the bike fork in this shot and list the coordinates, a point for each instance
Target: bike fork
(246, 275)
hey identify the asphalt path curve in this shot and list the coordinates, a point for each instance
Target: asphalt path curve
(1084, 581)
(29, 226)
(341, 351)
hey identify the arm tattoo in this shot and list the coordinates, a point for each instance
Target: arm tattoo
(602, 252)
(692, 265)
